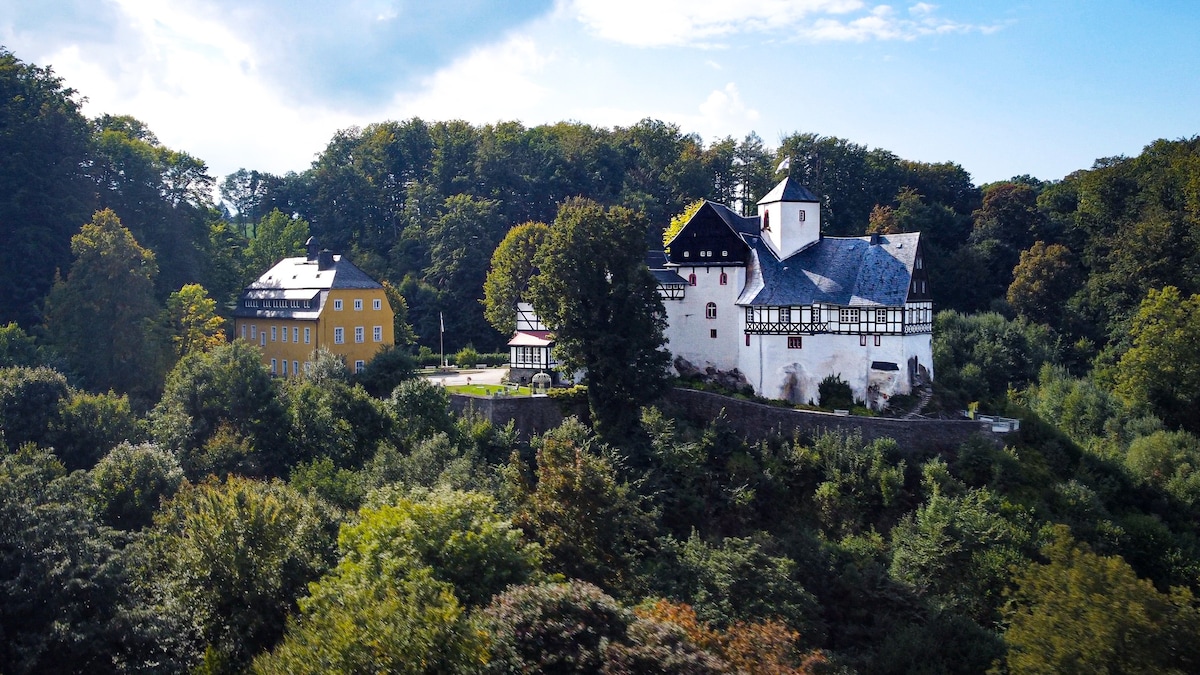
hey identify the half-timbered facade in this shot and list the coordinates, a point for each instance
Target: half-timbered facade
(768, 296)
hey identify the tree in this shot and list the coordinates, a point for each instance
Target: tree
(594, 291)
(1161, 371)
(192, 320)
(220, 411)
(1043, 281)
(129, 482)
(1086, 613)
(18, 348)
(101, 316)
(29, 404)
(277, 236)
(89, 425)
(508, 277)
(68, 604)
(233, 558)
(679, 220)
(44, 189)
(592, 526)
(403, 331)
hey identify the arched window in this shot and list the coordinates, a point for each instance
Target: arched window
(766, 226)
(691, 279)
(710, 310)
(724, 278)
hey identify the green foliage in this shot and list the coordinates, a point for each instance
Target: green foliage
(221, 412)
(386, 370)
(679, 220)
(108, 299)
(18, 348)
(68, 604)
(509, 274)
(412, 625)
(861, 480)
(130, 481)
(233, 558)
(335, 420)
(553, 628)
(592, 526)
(455, 535)
(30, 399)
(324, 479)
(979, 357)
(466, 357)
(737, 579)
(192, 321)
(594, 291)
(276, 236)
(89, 425)
(1085, 613)
(420, 409)
(1169, 461)
(402, 331)
(1044, 278)
(834, 392)
(1160, 373)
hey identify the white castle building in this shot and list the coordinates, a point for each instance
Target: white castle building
(770, 297)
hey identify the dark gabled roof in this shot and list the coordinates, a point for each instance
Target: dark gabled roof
(300, 272)
(657, 262)
(847, 271)
(788, 190)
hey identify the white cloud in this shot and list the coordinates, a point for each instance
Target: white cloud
(198, 88)
(492, 83)
(658, 23)
(723, 110)
(703, 23)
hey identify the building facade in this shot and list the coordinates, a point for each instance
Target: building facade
(319, 300)
(769, 297)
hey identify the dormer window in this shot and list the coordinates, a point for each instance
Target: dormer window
(687, 254)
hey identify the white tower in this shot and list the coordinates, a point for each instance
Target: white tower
(789, 218)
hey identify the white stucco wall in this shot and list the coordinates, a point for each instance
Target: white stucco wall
(788, 233)
(794, 374)
(688, 328)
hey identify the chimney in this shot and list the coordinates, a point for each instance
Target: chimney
(313, 246)
(874, 238)
(325, 260)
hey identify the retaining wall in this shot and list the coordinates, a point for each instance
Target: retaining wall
(753, 421)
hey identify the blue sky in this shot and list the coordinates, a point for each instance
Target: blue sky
(1002, 88)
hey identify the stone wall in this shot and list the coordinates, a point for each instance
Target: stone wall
(754, 421)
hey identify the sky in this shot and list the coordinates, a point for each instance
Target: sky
(1001, 88)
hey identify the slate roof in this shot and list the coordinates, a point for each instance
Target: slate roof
(300, 279)
(848, 271)
(657, 262)
(300, 272)
(788, 190)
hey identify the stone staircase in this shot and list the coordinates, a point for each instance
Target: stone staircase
(926, 393)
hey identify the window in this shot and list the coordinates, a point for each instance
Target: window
(881, 316)
(337, 305)
(710, 310)
(358, 334)
(878, 340)
(295, 367)
(285, 366)
(377, 333)
(376, 304)
(848, 315)
(747, 339)
(339, 335)
(274, 364)
(262, 339)
(285, 332)
(272, 333)
(724, 278)
(917, 262)
(802, 215)
(766, 226)
(724, 254)
(795, 342)
(253, 333)
(712, 333)
(358, 304)
(785, 315)
(307, 335)
(862, 340)
(749, 315)
(295, 334)
(691, 280)
(360, 366)
(687, 254)
(243, 331)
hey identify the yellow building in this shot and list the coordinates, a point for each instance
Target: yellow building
(304, 303)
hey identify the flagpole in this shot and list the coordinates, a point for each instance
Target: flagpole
(442, 337)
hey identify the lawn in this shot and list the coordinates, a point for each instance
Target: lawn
(488, 390)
